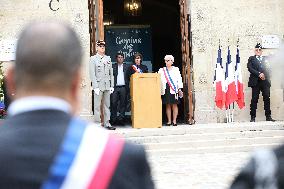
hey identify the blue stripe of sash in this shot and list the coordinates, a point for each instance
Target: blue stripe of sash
(65, 157)
(171, 80)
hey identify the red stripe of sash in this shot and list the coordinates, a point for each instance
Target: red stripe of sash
(107, 164)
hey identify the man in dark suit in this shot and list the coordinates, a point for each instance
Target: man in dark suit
(42, 143)
(121, 90)
(259, 80)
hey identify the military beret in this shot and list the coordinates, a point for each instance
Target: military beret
(258, 46)
(100, 42)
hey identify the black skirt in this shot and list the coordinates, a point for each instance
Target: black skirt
(169, 98)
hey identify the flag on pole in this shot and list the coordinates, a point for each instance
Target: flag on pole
(238, 81)
(219, 82)
(230, 87)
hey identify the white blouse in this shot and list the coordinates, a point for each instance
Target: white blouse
(176, 78)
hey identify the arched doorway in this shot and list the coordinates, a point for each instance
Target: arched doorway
(170, 24)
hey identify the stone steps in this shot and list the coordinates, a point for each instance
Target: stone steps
(200, 128)
(207, 138)
(214, 143)
(206, 150)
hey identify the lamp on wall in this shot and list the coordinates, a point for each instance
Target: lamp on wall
(132, 7)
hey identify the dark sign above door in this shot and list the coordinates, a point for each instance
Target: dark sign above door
(128, 40)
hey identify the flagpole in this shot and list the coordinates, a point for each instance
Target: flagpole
(236, 83)
(230, 114)
(233, 111)
(227, 117)
(229, 108)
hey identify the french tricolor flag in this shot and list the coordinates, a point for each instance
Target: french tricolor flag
(219, 82)
(230, 87)
(239, 82)
(87, 158)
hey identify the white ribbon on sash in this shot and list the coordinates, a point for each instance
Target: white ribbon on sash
(136, 69)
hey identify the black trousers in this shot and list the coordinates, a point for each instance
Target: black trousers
(118, 102)
(265, 90)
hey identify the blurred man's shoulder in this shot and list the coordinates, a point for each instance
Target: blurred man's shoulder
(279, 151)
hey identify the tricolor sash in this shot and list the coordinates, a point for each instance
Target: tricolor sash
(136, 69)
(87, 158)
(170, 81)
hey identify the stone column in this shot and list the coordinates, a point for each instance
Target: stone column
(80, 21)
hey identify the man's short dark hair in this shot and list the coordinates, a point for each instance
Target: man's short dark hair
(48, 54)
(119, 54)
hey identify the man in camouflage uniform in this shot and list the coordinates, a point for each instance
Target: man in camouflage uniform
(101, 74)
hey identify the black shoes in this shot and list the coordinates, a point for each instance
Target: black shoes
(110, 128)
(269, 118)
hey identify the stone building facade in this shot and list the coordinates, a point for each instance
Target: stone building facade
(15, 14)
(211, 20)
(229, 21)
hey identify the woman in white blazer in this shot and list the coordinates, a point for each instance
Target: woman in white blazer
(171, 85)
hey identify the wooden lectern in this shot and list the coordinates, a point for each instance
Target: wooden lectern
(146, 104)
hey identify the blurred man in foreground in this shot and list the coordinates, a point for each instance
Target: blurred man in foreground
(42, 143)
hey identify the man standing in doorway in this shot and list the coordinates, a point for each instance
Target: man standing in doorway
(101, 74)
(121, 90)
(259, 80)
